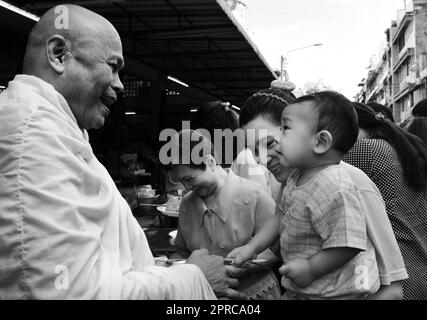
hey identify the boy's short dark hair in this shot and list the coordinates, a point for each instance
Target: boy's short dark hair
(193, 138)
(336, 114)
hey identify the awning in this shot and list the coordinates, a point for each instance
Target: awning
(198, 42)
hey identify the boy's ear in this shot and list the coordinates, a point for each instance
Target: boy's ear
(323, 142)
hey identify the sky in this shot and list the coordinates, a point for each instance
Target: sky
(350, 31)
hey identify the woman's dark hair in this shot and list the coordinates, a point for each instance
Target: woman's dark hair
(218, 115)
(410, 149)
(215, 115)
(335, 113)
(420, 109)
(377, 107)
(418, 127)
(268, 103)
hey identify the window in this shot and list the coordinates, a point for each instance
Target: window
(401, 43)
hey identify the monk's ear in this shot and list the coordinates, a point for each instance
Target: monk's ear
(56, 49)
(323, 142)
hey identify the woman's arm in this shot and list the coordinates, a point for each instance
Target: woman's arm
(262, 240)
(271, 260)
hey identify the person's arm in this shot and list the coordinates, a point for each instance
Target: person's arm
(302, 272)
(215, 272)
(264, 210)
(264, 238)
(203, 276)
(271, 261)
(182, 251)
(394, 291)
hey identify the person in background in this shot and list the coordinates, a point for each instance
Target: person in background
(420, 109)
(418, 127)
(397, 162)
(377, 107)
(390, 262)
(222, 211)
(218, 115)
(66, 232)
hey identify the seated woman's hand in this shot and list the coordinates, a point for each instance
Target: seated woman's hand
(242, 255)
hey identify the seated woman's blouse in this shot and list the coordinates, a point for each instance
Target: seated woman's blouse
(240, 209)
(406, 208)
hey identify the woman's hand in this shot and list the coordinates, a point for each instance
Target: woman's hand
(242, 255)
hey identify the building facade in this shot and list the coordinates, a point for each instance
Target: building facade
(399, 79)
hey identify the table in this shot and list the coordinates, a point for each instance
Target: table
(158, 239)
(148, 208)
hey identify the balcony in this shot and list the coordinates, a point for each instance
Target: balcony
(410, 80)
(403, 55)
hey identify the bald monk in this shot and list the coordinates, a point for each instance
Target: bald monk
(65, 230)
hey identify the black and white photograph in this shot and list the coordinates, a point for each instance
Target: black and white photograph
(213, 155)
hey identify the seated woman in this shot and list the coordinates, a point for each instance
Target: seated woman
(221, 212)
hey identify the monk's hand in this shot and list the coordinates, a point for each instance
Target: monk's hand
(298, 271)
(236, 272)
(215, 272)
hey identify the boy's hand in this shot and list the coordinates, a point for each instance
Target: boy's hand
(299, 272)
(241, 255)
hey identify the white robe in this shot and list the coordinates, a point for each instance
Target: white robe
(65, 230)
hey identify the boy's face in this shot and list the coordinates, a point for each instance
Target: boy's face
(298, 134)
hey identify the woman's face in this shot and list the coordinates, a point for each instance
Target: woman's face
(201, 182)
(262, 136)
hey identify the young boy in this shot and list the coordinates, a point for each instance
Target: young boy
(321, 222)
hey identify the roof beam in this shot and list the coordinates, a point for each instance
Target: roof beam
(197, 53)
(222, 69)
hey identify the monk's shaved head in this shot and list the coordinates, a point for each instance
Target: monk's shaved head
(79, 53)
(84, 29)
